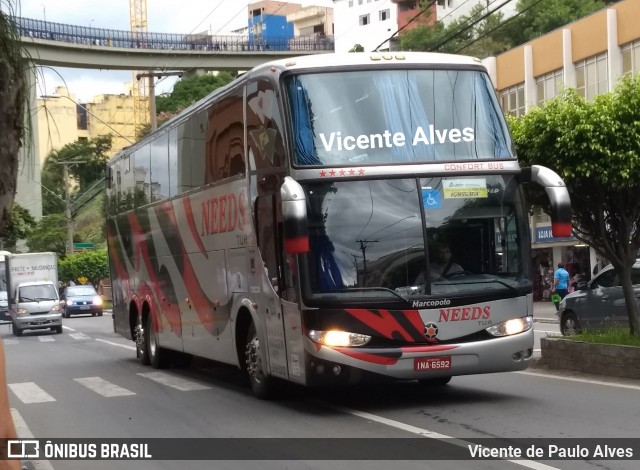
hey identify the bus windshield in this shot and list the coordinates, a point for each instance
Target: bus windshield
(383, 116)
(413, 237)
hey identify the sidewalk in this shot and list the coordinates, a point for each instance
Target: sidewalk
(544, 312)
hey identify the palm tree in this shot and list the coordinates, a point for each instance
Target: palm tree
(13, 102)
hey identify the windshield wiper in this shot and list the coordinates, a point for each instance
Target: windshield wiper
(27, 299)
(490, 281)
(377, 289)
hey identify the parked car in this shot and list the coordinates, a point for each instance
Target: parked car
(598, 304)
(4, 307)
(81, 299)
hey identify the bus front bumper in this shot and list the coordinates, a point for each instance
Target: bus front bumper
(353, 365)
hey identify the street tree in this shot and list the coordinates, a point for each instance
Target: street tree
(19, 227)
(535, 18)
(479, 35)
(13, 102)
(50, 234)
(595, 147)
(92, 155)
(190, 89)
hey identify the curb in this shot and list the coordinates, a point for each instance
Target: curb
(546, 320)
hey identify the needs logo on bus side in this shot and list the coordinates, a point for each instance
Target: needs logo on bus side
(224, 213)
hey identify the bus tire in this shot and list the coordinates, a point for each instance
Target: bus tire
(435, 382)
(158, 357)
(141, 340)
(261, 385)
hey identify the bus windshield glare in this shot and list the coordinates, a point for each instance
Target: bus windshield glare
(417, 236)
(384, 116)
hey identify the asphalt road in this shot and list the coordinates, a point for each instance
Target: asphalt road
(86, 383)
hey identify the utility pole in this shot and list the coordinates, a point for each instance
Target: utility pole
(67, 201)
(363, 247)
(152, 92)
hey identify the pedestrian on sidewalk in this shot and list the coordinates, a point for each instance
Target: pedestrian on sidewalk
(560, 284)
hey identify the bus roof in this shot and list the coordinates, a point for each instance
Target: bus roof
(323, 61)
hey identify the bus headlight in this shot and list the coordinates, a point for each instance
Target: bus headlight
(22, 312)
(511, 327)
(338, 338)
(55, 308)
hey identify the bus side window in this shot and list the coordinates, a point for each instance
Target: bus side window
(225, 139)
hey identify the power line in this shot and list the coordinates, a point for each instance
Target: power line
(498, 26)
(466, 26)
(423, 11)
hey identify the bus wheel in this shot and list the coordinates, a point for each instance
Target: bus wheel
(140, 337)
(435, 382)
(261, 385)
(158, 357)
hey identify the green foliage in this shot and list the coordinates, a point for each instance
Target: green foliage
(538, 18)
(94, 265)
(50, 234)
(475, 35)
(611, 336)
(18, 228)
(89, 222)
(595, 147)
(190, 89)
(465, 35)
(357, 48)
(92, 157)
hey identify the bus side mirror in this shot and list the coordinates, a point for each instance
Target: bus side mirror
(558, 196)
(294, 213)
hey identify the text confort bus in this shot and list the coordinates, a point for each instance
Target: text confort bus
(291, 223)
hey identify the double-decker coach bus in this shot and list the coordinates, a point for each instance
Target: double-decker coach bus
(328, 220)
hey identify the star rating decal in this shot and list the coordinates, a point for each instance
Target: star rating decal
(342, 172)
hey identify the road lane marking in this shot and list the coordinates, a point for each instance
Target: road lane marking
(45, 339)
(126, 346)
(431, 434)
(80, 336)
(68, 328)
(103, 387)
(581, 380)
(7, 342)
(23, 432)
(173, 382)
(29, 392)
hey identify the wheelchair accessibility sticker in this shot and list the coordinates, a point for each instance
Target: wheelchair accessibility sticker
(431, 198)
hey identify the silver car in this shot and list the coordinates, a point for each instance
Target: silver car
(598, 304)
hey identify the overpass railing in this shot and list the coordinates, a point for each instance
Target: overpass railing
(38, 29)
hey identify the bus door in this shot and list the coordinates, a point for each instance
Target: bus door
(266, 274)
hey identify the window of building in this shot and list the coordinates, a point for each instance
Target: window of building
(365, 19)
(631, 59)
(549, 86)
(591, 76)
(360, 2)
(350, 3)
(384, 15)
(512, 100)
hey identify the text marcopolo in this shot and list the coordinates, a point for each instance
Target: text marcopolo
(388, 139)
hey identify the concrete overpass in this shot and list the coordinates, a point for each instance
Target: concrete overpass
(63, 45)
(62, 54)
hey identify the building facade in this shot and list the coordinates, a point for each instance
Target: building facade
(448, 11)
(590, 55)
(373, 24)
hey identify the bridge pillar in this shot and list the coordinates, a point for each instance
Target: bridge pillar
(28, 194)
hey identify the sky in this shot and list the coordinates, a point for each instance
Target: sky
(163, 16)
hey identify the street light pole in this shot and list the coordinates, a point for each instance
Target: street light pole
(152, 92)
